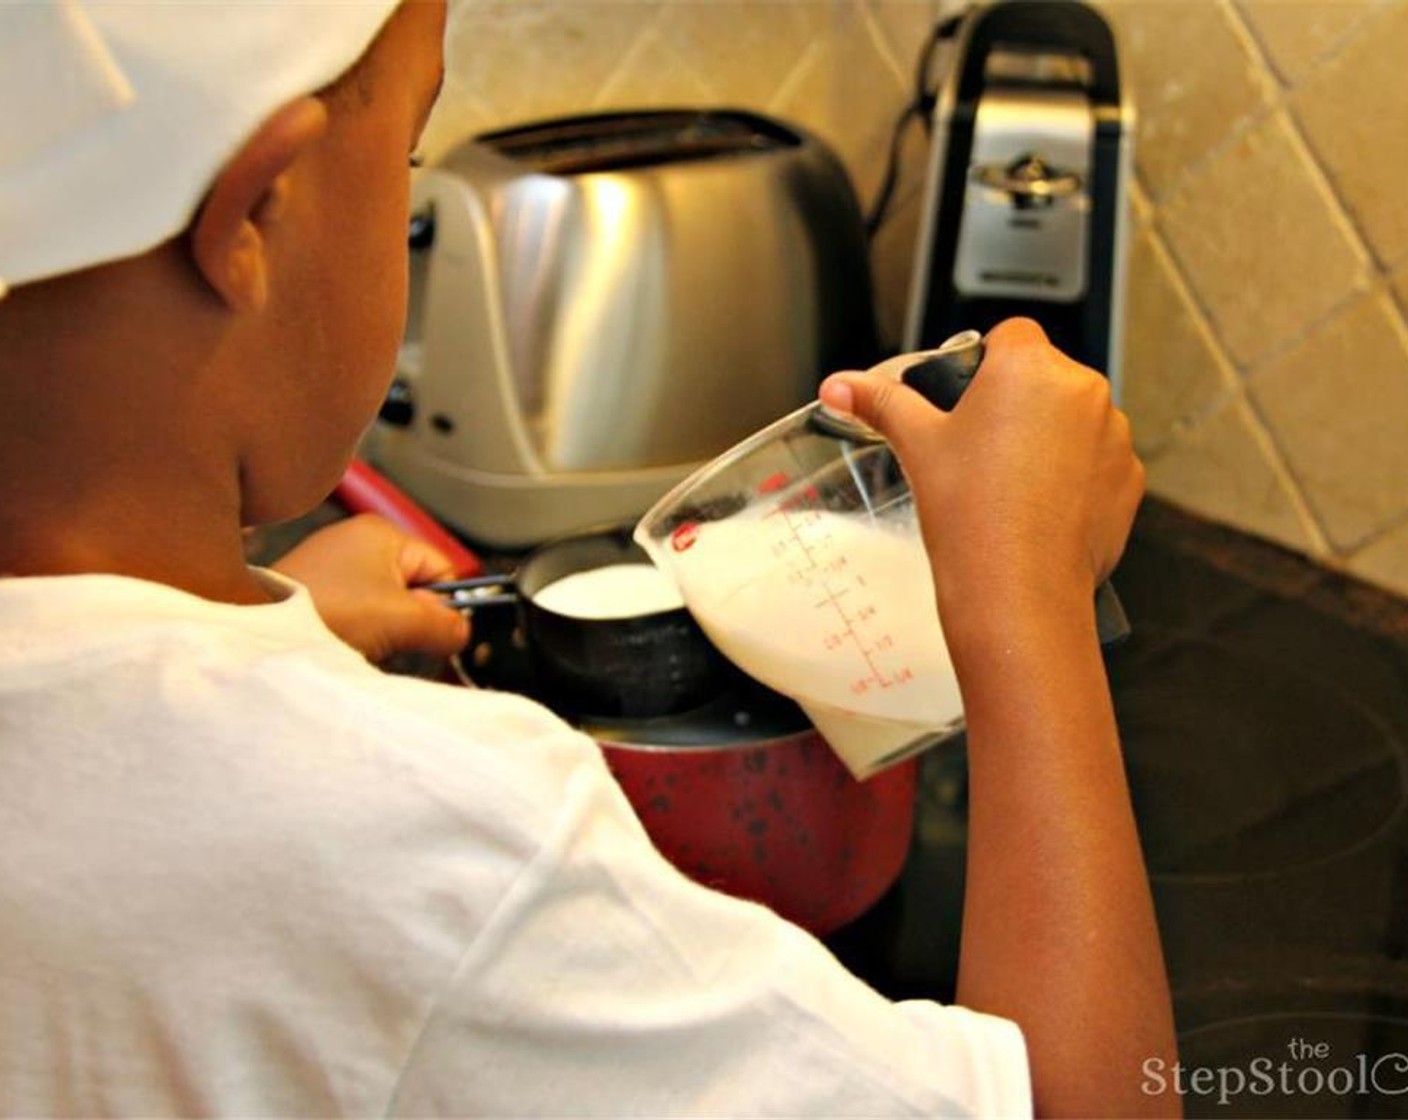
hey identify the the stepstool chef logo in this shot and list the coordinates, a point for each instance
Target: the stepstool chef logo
(1309, 1067)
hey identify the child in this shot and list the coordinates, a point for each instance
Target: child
(247, 873)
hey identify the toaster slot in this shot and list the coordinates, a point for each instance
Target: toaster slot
(613, 142)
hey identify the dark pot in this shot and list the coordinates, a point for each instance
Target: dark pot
(638, 667)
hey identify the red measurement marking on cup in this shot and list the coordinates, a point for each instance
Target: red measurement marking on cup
(876, 677)
(773, 483)
(684, 536)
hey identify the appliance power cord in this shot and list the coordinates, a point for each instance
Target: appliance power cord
(920, 107)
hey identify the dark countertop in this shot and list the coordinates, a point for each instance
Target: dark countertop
(1263, 707)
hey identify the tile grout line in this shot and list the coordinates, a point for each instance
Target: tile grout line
(881, 45)
(1271, 97)
(1276, 92)
(1340, 207)
(1329, 54)
(1188, 175)
(1389, 529)
(1280, 461)
(1280, 464)
(1271, 451)
(640, 46)
(1228, 378)
(1275, 458)
(1374, 280)
(1374, 286)
(795, 76)
(1284, 107)
(1400, 326)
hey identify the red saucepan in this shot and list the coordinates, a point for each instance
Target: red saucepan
(731, 781)
(745, 796)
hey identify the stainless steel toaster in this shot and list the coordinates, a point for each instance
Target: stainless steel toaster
(599, 304)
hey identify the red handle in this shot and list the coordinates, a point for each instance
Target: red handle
(363, 489)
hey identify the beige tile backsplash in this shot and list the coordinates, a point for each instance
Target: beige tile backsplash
(1353, 107)
(1259, 240)
(1336, 406)
(1224, 468)
(1296, 35)
(1187, 110)
(1266, 365)
(1165, 331)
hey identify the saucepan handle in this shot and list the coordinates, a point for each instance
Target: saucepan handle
(476, 591)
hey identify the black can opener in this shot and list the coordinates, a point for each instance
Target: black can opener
(941, 377)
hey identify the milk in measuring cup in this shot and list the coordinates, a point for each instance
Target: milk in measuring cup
(835, 610)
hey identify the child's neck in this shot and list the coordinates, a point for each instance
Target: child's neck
(189, 557)
(109, 462)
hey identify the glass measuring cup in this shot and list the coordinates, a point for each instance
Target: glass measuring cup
(799, 554)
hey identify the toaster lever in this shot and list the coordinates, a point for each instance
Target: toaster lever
(422, 233)
(399, 407)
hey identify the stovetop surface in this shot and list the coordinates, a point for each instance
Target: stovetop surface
(1263, 708)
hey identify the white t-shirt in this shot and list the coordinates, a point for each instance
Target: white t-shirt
(246, 873)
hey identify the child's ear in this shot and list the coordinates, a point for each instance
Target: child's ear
(228, 236)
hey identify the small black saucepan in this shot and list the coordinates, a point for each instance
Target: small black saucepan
(640, 666)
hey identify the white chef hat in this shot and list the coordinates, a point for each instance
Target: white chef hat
(116, 115)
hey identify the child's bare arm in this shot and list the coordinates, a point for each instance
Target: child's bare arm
(1026, 493)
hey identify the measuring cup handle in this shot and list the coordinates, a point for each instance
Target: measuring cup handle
(1111, 623)
(942, 377)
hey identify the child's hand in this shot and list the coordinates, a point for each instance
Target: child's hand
(361, 573)
(1026, 492)
(1027, 488)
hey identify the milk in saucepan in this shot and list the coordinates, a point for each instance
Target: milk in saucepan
(835, 610)
(611, 591)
